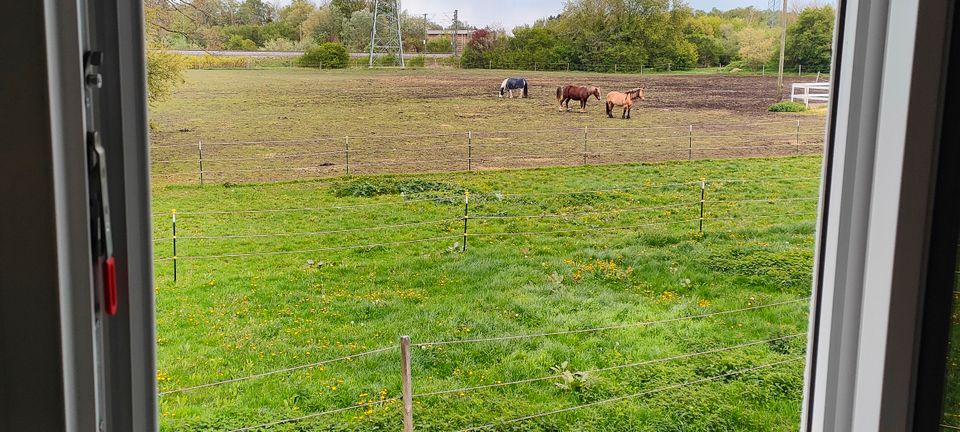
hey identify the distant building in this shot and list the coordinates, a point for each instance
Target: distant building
(463, 36)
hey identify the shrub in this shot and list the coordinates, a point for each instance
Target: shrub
(328, 55)
(240, 43)
(164, 71)
(788, 106)
(218, 62)
(416, 62)
(442, 44)
(279, 44)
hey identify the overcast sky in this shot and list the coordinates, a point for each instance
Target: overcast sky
(511, 13)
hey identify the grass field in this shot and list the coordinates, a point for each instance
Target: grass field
(274, 276)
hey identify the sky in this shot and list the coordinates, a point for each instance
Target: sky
(511, 13)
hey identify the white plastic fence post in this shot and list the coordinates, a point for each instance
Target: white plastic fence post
(690, 144)
(406, 383)
(798, 136)
(173, 220)
(466, 216)
(703, 194)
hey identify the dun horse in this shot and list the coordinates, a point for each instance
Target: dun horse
(624, 100)
(511, 84)
(582, 94)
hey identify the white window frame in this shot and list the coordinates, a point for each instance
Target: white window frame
(872, 235)
(875, 214)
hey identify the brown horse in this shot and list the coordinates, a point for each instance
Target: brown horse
(582, 94)
(625, 100)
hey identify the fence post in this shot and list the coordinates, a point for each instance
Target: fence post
(763, 70)
(200, 149)
(690, 144)
(798, 136)
(173, 220)
(469, 151)
(466, 216)
(615, 67)
(703, 194)
(346, 147)
(406, 381)
(799, 70)
(568, 66)
(584, 145)
(641, 69)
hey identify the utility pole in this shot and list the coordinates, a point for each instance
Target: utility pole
(456, 30)
(425, 33)
(783, 48)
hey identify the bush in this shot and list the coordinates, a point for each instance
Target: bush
(788, 106)
(240, 43)
(442, 44)
(417, 62)
(218, 62)
(279, 44)
(329, 55)
(164, 72)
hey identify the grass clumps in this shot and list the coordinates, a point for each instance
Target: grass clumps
(787, 106)
(376, 187)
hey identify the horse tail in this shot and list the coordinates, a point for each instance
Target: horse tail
(525, 93)
(559, 93)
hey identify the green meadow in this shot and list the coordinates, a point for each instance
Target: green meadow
(273, 276)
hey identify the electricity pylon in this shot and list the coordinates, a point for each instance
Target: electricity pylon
(385, 38)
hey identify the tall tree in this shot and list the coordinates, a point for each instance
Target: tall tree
(348, 7)
(757, 45)
(810, 39)
(296, 13)
(255, 12)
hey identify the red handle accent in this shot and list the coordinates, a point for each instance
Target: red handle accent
(110, 286)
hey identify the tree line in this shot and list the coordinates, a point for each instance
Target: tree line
(629, 34)
(299, 25)
(587, 34)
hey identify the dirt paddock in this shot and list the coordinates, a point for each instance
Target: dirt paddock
(285, 124)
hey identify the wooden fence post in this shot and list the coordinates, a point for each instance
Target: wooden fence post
(200, 149)
(584, 145)
(469, 151)
(346, 147)
(406, 383)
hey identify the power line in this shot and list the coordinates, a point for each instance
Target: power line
(605, 328)
(609, 368)
(278, 371)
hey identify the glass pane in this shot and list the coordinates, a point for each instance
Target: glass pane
(951, 397)
(631, 261)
